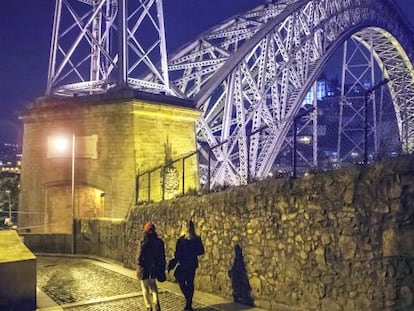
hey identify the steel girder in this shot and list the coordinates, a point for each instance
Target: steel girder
(358, 74)
(250, 74)
(398, 69)
(98, 45)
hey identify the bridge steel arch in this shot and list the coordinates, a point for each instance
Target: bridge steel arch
(250, 74)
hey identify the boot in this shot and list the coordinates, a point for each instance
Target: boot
(158, 307)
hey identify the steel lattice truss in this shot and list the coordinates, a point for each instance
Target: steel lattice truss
(98, 45)
(249, 75)
(397, 68)
(358, 56)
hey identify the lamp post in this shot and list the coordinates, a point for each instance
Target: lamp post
(73, 195)
(367, 94)
(59, 147)
(295, 134)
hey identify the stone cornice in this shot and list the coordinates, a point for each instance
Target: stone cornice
(150, 105)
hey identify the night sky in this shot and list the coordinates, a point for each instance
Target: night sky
(25, 31)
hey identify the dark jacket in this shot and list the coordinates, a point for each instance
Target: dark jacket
(187, 250)
(151, 257)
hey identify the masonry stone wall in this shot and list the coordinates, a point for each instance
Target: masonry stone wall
(101, 237)
(340, 240)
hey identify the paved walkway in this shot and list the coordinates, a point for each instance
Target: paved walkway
(90, 284)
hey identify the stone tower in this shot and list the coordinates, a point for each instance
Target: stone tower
(115, 137)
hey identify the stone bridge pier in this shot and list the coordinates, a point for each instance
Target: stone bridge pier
(81, 155)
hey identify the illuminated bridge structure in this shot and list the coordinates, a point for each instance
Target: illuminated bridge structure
(249, 75)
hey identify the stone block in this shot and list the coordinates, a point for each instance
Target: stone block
(398, 242)
(18, 274)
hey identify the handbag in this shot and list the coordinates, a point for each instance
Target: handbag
(179, 274)
(161, 277)
(160, 271)
(172, 264)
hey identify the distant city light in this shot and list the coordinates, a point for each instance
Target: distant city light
(10, 158)
(305, 140)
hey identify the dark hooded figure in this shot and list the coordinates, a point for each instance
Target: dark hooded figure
(189, 246)
(151, 262)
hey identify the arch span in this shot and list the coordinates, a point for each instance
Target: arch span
(251, 73)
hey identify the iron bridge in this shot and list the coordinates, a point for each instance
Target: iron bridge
(249, 75)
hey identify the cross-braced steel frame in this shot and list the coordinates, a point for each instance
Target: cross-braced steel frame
(357, 116)
(99, 45)
(250, 74)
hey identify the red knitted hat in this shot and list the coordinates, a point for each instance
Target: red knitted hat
(149, 226)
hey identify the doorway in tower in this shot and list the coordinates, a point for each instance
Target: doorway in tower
(59, 212)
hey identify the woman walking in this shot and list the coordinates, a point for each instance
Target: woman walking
(189, 246)
(151, 264)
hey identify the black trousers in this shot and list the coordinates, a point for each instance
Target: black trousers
(186, 283)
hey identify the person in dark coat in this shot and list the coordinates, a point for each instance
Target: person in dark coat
(189, 246)
(151, 264)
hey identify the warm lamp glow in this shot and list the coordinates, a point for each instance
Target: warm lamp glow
(59, 146)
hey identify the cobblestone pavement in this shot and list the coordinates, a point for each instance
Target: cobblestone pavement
(79, 284)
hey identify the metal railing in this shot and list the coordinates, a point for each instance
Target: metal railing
(168, 180)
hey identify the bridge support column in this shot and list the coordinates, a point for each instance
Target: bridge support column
(117, 136)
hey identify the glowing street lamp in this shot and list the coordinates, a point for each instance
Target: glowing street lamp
(60, 145)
